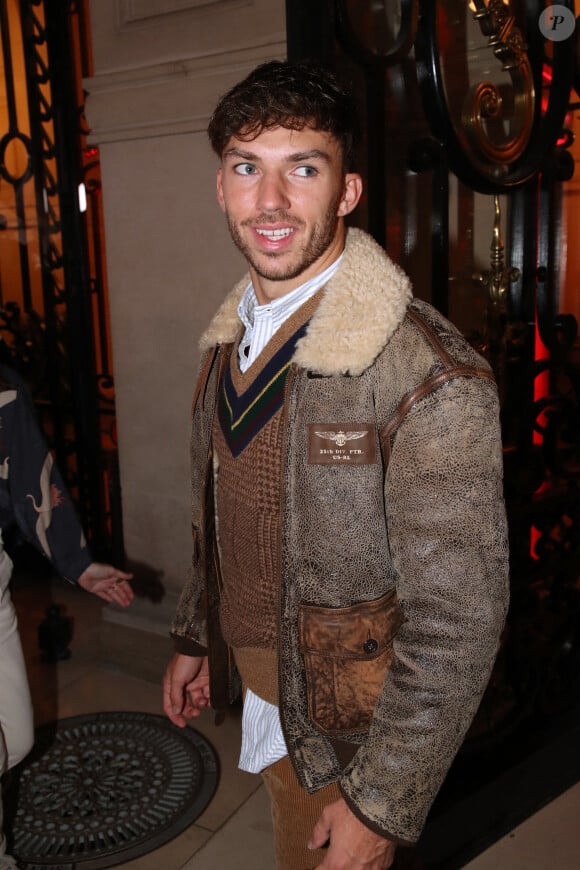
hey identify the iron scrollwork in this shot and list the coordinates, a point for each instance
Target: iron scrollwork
(482, 152)
(53, 310)
(7, 144)
(482, 115)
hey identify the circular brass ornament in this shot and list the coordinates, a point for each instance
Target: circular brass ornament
(483, 118)
(480, 70)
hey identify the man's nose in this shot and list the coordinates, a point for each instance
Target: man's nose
(272, 194)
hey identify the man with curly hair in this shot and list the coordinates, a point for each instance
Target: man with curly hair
(350, 550)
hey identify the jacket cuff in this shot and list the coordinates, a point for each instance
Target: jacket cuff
(77, 568)
(188, 647)
(380, 831)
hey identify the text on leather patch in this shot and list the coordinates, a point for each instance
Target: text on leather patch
(341, 444)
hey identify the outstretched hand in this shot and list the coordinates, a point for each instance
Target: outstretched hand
(108, 583)
(352, 846)
(185, 688)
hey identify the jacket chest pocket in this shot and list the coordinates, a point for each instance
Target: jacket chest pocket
(347, 652)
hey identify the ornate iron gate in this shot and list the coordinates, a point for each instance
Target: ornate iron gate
(53, 294)
(479, 107)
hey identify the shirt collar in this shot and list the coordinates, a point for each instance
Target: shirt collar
(291, 301)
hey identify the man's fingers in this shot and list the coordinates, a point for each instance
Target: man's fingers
(319, 836)
(172, 703)
(184, 690)
(196, 698)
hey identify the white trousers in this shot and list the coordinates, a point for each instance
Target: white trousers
(16, 721)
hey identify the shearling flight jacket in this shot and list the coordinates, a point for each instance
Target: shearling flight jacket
(394, 561)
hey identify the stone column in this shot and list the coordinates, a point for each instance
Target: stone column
(159, 68)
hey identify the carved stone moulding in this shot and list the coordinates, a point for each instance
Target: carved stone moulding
(166, 99)
(131, 11)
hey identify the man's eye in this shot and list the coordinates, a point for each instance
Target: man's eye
(305, 171)
(245, 168)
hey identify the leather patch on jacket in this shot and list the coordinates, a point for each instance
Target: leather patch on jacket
(341, 444)
(347, 652)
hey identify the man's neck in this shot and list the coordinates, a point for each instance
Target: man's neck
(268, 290)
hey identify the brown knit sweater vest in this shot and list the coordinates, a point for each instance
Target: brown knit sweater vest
(247, 440)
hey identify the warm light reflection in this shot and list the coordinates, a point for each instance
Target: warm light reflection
(82, 198)
(483, 5)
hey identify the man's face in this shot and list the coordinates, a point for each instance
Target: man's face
(284, 194)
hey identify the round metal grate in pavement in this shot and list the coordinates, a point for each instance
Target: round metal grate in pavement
(99, 790)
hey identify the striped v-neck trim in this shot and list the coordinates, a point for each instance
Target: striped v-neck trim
(250, 399)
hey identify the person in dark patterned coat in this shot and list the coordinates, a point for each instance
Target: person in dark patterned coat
(34, 497)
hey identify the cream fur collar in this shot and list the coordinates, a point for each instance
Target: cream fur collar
(362, 306)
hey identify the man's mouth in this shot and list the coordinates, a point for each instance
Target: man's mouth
(275, 235)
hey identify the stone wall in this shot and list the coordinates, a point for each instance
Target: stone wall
(159, 68)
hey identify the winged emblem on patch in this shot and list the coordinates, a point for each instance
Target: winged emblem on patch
(340, 438)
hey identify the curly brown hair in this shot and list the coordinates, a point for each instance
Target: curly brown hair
(291, 95)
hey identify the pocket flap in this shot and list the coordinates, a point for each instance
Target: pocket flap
(361, 631)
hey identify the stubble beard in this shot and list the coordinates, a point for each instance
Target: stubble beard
(321, 238)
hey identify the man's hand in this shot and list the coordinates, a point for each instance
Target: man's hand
(185, 688)
(353, 846)
(108, 583)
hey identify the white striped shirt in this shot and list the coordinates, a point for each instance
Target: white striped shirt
(263, 321)
(262, 738)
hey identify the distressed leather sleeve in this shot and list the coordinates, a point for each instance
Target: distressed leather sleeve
(448, 540)
(189, 628)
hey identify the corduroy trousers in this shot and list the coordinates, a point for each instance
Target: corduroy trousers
(294, 814)
(16, 720)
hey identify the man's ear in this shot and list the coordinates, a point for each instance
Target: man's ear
(220, 190)
(351, 194)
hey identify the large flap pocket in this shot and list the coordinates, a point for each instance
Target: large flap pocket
(347, 651)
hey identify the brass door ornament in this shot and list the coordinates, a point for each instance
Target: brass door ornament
(499, 332)
(498, 279)
(480, 67)
(483, 111)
